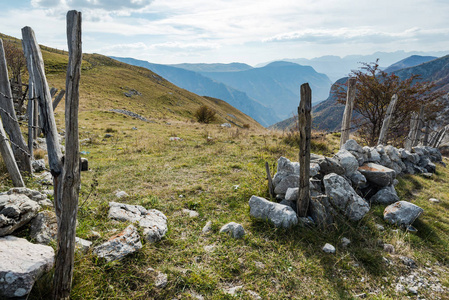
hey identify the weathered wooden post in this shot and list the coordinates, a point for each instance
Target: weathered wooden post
(347, 115)
(441, 136)
(70, 185)
(418, 126)
(305, 129)
(270, 180)
(9, 117)
(8, 158)
(30, 110)
(386, 122)
(58, 99)
(411, 134)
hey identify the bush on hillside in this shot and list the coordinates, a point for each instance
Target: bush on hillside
(205, 114)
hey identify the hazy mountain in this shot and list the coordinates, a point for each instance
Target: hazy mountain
(276, 85)
(337, 67)
(201, 85)
(328, 114)
(232, 67)
(410, 61)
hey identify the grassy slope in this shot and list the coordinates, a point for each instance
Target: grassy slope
(216, 177)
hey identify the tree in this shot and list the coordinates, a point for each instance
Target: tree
(374, 91)
(16, 67)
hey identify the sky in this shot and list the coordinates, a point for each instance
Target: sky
(247, 31)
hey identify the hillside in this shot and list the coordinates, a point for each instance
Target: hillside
(276, 85)
(201, 85)
(408, 62)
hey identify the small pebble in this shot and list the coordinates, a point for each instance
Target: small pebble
(328, 248)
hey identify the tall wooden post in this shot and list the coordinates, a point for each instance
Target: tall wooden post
(386, 122)
(418, 126)
(69, 188)
(9, 118)
(305, 129)
(410, 138)
(30, 110)
(347, 115)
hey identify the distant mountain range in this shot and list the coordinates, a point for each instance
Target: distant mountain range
(336, 67)
(408, 62)
(327, 115)
(267, 94)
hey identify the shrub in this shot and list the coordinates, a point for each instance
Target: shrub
(205, 114)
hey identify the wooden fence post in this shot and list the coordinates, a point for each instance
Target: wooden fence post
(418, 126)
(409, 139)
(305, 128)
(270, 180)
(58, 99)
(9, 118)
(30, 110)
(69, 188)
(8, 158)
(347, 115)
(386, 123)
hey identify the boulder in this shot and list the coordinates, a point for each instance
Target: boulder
(82, 244)
(84, 166)
(40, 198)
(343, 197)
(287, 167)
(120, 245)
(321, 210)
(22, 263)
(290, 181)
(290, 203)
(358, 180)
(292, 194)
(16, 210)
(121, 194)
(393, 153)
(377, 174)
(402, 213)
(38, 165)
(386, 195)
(330, 165)
(328, 248)
(314, 169)
(373, 155)
(153, 221)
(280, 215)
(44, 227)
(234, 229)
(347, 161)
(352, 145)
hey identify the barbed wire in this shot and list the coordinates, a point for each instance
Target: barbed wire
(17, 146)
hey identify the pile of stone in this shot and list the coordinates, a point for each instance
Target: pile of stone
(347, 184)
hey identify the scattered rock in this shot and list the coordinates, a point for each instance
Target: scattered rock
(389, 248)
(45, 178)
(321, 210)
(16, 210)
(345, 242)
(328, 248)
(408, 261)
(348, 161)
(289, 181)
(82, 244)
(120, 245)
(434, 200)
(44, 227)
(22, 263)
(233, 290)
(280, 215)
(208, 227)
(38, 165)
(259, 265)
(292, 194)
(227, 125)
(343, 197)
(121, 194)
(386, 196)
(253, 295)
(191, 213)
(84, 166)
(402, 213)
(330, 165)
(379, 227)
(161, 279)
(234, 229)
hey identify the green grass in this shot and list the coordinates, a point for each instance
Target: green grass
(201, 173)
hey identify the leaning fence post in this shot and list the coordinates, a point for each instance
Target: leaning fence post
(409, 139)
(347, 115)
(9, 118)
(418, 126)
(30, 110)
(70, 185)
(387, 119)
(58, 99)
(305, 128)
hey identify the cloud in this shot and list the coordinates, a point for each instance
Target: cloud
(169, 46)
(357, 35)
(107, 5)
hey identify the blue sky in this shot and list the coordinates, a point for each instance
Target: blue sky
(249, 31)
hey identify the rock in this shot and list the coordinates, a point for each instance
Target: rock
(45, 178)
(330, 165)
(402, 213)
(328, 248)
(280, 215)
(44, 227)
(253, 295)
(22, 263)
(208, 227)
(16, 210)
(347, 161)
(393, 153)
(289, 203)
(227, 125)
(386, 195)
(234, 229)
(379, 227)
(121, 194)
(153, 221)
(358, 180)
(161, 279)
(345, 242)
(120, 245)
(409, 262)
(314, 169)
(434, 200)
(40, 198)
(287, 167)
(321, 210)
(377, 174)
(389, 248)
(292, 194)
(38, 165)
(233, 290)
(374, 156)
(351, 145)
(82, 244)
(289, 181)
(84, 166)
(344, 198)
(191, 213)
